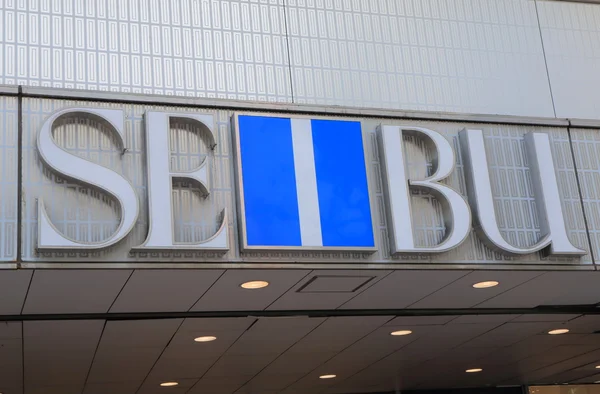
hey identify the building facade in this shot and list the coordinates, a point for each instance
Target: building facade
(319, 196)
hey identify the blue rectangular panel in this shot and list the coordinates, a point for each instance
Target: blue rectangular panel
(342, 185)
(269, 181)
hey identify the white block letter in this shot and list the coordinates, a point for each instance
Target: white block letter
(545, 188)
(161, 234)
(76, 168)
(457, 215)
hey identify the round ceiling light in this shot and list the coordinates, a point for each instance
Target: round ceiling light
(327, 376)
(558, 331)
(208, 338)
(473, 370)
(255, 284)
(401, 333)
(485, 285)
(169, 384)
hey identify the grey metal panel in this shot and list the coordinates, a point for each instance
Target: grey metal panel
(333, 110)
(87, 215)
(586, 149)
(458, 56)
(8, 178)
(571, 35)
(232, 49)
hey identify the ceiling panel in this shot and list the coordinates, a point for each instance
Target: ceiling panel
(123, 364)
(13, 288)
(129, 349)
(227, 331)
(184, 358)
(59, 353)
(11, 357)
(296, 300)
(74, 291)
(552, 288)
(164, 290)
(584, 324)
(287, 355)
(55, 389)
(139, 333)
(337, 333)
(218, 385)
(241, 367)
(227, 294)
(260, 338)
(402, 288)
(112, 388)
(461, 294)
(152, 386)
(510, 333)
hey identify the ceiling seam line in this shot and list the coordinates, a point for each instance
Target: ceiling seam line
(221, 356)
(468, 272)
(367, 288)
(512, 288)
(27, 292)
(207, 290)
(290, 288)
(120, 291)
(344, 349)
(87, 375)
(159, 356)
(283, 352)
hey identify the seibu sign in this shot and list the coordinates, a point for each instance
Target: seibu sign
(303, 185)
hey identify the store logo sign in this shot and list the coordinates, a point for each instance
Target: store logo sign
(303, 185)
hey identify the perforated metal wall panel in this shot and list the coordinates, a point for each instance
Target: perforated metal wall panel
(8, 178)
(86, 215)
(468, 56)
(571, 33)
(228, 49)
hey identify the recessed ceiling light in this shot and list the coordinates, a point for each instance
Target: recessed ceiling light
(400, 333)
(473, 370)
(208, 338)
(255, 284)
(486, 284)
(327, 376)
(558, 331)
(169, 384)
(597, 366)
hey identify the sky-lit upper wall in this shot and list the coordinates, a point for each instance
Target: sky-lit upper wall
(473, 56)
(571, 33)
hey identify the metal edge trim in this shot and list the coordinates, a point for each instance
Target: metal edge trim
(309, 109)
(312, 266)
(9, 90)
(585, 123)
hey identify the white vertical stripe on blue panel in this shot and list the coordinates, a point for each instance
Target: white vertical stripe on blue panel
(306, 182)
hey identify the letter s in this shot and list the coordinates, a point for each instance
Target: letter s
(92, 174)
